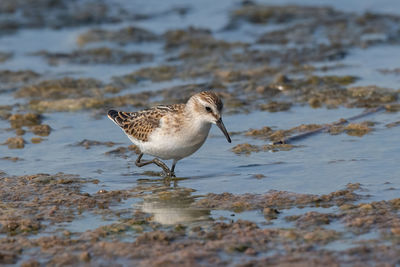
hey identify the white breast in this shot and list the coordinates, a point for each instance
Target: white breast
(167, 143)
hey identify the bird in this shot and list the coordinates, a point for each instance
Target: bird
(173, 131)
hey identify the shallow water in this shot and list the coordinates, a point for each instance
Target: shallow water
(315, 167)
(320, 164)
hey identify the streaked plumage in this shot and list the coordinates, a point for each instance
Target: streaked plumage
(141, 124)
(172, 131)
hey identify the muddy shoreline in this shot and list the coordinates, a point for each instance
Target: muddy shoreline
(33, 206)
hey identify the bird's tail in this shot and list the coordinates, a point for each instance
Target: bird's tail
(115, 116)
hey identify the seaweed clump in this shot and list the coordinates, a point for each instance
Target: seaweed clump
(154, 74)
(101, 55)
(352, 129)
(15, 77)
(15, 142)
(122, 36)
(68, 94)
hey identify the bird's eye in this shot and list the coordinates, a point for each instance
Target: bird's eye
(208, 109)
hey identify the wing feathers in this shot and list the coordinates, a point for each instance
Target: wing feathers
(141, 124)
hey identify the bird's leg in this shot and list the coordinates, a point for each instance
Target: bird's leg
(173, 168)
(156, 161)
(139, 163)
(162, 165)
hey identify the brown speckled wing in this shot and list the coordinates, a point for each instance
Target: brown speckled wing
(142, 123)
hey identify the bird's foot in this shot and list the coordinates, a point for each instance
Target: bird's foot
(169, 174)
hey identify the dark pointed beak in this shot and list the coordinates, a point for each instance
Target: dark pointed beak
(221, 125)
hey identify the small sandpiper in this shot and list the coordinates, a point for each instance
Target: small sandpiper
(171, 131)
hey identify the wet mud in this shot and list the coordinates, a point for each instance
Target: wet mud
(36, 204)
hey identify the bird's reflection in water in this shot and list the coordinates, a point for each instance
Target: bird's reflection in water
(173, 205)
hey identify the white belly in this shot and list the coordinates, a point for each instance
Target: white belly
(174, 145)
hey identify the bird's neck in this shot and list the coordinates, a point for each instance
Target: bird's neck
(194, 122)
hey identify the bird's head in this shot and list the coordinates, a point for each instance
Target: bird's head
(208, 106)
